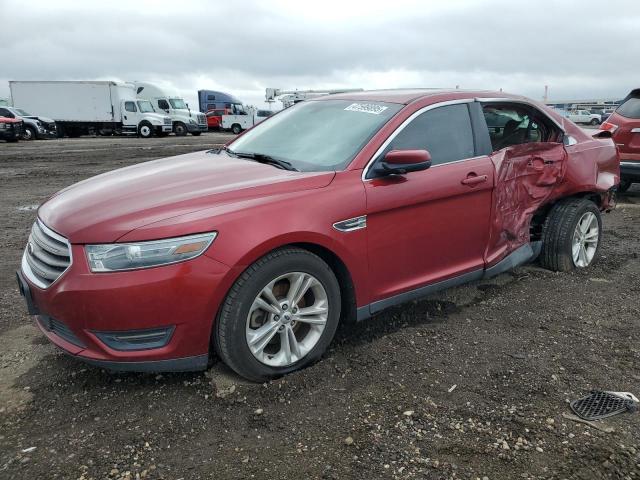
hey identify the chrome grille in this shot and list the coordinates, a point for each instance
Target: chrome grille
(202, 118)
(46, 257)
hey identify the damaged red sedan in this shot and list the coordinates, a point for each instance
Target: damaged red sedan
(331, 210)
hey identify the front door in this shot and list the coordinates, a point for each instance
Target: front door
(432, 225)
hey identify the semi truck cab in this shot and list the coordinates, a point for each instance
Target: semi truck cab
(184, 119)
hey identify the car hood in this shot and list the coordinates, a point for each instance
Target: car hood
(104, 208)
(42, 119)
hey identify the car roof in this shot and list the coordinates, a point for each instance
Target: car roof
(406, 96)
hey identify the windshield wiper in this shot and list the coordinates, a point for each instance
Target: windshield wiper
(262, 158)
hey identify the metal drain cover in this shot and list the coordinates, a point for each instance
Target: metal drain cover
(600, 404)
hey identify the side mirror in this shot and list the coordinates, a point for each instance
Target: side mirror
(399, 162)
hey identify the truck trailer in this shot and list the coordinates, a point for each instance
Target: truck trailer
(85, 107)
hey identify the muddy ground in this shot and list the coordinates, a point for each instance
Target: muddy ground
(469, 384)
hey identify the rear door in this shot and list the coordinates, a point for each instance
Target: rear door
(428, 226)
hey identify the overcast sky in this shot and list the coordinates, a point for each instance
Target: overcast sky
(580, 48)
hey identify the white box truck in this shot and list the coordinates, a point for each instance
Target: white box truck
(80, 108)
(183, 118)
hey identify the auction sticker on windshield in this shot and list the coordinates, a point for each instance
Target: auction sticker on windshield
(366, 108)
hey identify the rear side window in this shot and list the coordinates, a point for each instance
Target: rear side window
(444, 131)
(630, 108)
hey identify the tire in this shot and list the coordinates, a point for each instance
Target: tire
(234, 324)
(180, 129)
(560, 231)
(624, 185)
(196, 134)
(145, 129)
(29, 134)
(594, 121)
(235, 128)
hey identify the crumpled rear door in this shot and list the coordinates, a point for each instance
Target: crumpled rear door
(526, 176)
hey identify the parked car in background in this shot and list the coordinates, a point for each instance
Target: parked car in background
(33, 126)
(10, 129)
(334, 210)
(624, 125)
(584, 116)
(214, 118)
(604, 115)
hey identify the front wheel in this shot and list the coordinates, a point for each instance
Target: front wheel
(571, 235)
(180, 129)
(236, 128)
(145, 130)
(280, 315)
(594, 121)
(29, 133)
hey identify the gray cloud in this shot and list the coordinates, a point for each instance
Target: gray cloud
(578, 48)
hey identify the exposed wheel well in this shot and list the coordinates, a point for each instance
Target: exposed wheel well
(537, 221)
(347, 290)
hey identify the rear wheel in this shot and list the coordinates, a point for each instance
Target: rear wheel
(180, 129)
(280, 315)
(571, 235)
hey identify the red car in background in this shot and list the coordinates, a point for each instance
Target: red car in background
(624, 125)
(11, 129)
(334, 209)
(214, 118)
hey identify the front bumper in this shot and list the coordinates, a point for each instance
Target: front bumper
(630, 170)
(80, 306)
(197, 127)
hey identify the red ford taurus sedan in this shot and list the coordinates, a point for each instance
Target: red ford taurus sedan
(333, 209)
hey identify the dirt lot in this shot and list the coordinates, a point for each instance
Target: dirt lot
(469, 384)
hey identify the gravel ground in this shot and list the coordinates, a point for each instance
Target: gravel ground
(471, 383)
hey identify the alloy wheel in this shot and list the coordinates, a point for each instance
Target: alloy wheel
(585, 240)
(286, 319)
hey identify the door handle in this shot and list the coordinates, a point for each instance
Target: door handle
(473, 179)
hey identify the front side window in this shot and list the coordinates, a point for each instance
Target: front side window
(5, 113)
(145, 106)
(514, 125)
(130, 106)
(445, 132)
(178, 103)
(320, 135)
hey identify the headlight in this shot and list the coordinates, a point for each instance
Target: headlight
(129, 256)
(192, 121)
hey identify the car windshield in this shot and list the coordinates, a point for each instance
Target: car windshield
(21, 112)
(145, 106)
(317, 135)
(177, 103)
